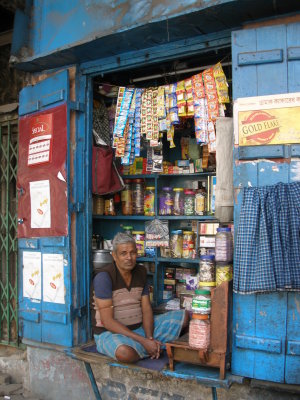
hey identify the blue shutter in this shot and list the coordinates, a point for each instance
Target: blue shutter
(266, 327)
(39, 320)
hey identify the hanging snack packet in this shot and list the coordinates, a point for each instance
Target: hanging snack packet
(161, 108)
(181, 99)
(211, 94)
(198, 88)
(188, 83)
(221, 83)
(174, 119)
(157, 158)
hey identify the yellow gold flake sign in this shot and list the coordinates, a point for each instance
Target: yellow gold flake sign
(267, 120)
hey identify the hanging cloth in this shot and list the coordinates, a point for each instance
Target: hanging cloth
(267, 249)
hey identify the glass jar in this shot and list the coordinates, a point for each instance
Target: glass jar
(126, 198)
(149, 201)
(188, 245)
(224, 245)
(200, 202)
(223, 272)
(109, 206)
(199, 331)
(139, 237)
(189, 202)
(138, 197)
(178, 200)
(207, 270)
(98, 205)
(176, 243)
(166, 203)
(201, 303)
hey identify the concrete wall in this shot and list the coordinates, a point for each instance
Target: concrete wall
(54, 375)
(11, 80)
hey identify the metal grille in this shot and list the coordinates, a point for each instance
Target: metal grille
(8, 232)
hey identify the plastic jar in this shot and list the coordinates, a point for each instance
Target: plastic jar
(126, 198)
(176, 243)
(206, 286)
(149, 201)
(201, 303)
(189, 202)
(139, 237)
(138, 197)
(224, 245)
(128, 229)
(188, 245)
(207, 270)
(200, 202)
(166, 203)
(199, 331)
(178, 200)
(223, 272)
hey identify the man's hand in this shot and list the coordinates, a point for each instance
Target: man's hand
(153, 347)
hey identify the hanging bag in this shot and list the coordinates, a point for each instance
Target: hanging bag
(105, 176)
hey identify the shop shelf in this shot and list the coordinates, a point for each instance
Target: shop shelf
(178, 260)
(185, 217)
(124, 217)
(142, 259)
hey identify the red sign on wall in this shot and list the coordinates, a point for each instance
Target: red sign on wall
(41, 139)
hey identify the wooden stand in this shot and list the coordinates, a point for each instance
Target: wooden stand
(215, 355)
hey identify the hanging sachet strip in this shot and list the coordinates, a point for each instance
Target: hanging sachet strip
(124, 110)
(137, 122)
(128, 144)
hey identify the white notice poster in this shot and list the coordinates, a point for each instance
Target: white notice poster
(40, 204)
(32, 275)
(53, 278)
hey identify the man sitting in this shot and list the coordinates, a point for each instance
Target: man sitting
(124, 327)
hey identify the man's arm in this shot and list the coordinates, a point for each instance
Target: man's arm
(114, 326)
(147, 316)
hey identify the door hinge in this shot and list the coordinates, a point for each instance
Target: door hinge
(78, 312)
(76, 106)
(76, 207)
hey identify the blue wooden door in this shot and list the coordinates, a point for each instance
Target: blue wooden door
(58, 318)
(266, 327)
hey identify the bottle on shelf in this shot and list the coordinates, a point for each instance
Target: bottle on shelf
(178, 201)
(126, 198)
(189, 202)
(149, 201)
(138, 196)
(166, 202)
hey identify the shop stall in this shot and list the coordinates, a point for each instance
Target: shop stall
(143, 142)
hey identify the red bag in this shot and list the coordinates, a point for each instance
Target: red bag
(105, 176)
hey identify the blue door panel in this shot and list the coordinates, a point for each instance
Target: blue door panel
(270, 173)
(266, 331)
(41, 320)
(293, 339)
(293, 45)
(47, 93)
(243, 42)
(295, 171)
(272, 77)
(243, 324)
(271, 325)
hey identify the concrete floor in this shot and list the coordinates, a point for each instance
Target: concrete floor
(50, 374)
